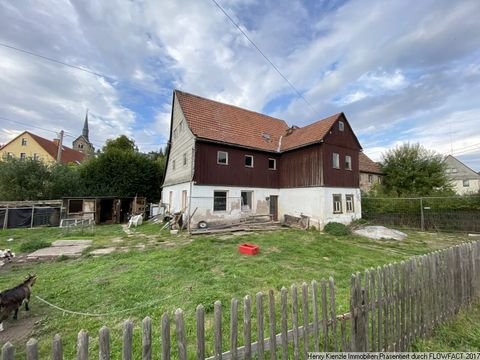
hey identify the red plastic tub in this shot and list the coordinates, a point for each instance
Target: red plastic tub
(249, 249)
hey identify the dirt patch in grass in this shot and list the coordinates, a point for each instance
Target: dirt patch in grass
(18, 331)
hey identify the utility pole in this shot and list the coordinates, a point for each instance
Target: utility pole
(60, 144)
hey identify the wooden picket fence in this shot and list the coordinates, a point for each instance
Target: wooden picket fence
(390, 307)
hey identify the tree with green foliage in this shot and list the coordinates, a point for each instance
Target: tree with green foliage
(412, 170)
(23, 179)
(122, 143)
(65, 181)
(120, 170)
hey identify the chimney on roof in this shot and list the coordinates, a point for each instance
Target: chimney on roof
(59, 143)
(290, 130)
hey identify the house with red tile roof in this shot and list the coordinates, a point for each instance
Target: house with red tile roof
(29, 145)
(370, 173)
(226, 163)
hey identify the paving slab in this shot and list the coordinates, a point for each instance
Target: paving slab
(381, 232)
(55, 251)
(72, 243)
(104, 251)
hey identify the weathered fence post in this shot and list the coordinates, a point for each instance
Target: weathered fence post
(82, 345)
(104, 343)
(32, 349)
(260, 332)
(200, 332)
(422, 216)
(305, 319)
(358, 343)
(316, 346)
(333, 313)
(8, 352)
(247, 327)
(166, 337)
(284, 311)
(147, 339)
(217, 314)
(57, 349)
(127, 340)
(234, 328)
(323, 286)
(295, 321)
(181, 340)
(273, 325)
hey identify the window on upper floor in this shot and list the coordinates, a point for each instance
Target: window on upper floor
(272, 164)
(349, 203)
(336, 160)
(249, 161)
(222, 157)
(337, 203)
(370, 178)
(348, 162)
(24, 142)
(341, 126)
(173, 165)
(466, 183)
(184, 159)
(220, 200)
(175, 133)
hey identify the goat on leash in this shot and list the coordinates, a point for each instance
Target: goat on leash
(12, 299)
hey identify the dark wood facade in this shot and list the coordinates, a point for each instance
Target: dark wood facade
(208, 172)
(307, 166)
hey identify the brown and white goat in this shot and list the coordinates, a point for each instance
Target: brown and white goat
(12, 299)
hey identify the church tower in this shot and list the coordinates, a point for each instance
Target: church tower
(82, 143)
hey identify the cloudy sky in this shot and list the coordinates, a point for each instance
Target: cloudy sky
(404, 70)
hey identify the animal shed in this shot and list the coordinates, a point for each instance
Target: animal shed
(104, 209)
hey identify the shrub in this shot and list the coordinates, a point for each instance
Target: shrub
(32, 245)
(336, 229)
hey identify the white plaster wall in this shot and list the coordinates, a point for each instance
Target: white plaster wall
(345, 217)
(202, 201)
(301, 201)
(183, 143)
(176, 204)
(457, 185)
(317, 203)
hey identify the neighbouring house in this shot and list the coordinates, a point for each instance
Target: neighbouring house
(104, 209)
(463, 179)
(226, 163)
(29, 145)
(370, 173)
(82, 143)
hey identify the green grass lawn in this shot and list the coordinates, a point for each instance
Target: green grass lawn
(181, 271)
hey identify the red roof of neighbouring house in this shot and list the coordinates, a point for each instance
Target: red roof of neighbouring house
(367, 165)
(215, 121)
(68, 155)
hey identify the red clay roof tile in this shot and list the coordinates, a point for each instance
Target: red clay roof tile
(367, 165)
(212, 120)
(68, 155)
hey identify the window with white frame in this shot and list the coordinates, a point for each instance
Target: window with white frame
(341, 126)
(36, 156)
(466, 183)
(349, 203)
(348, 162)
(272, 164)
(247, 200)
(249, 161)
(220, 200)
(23, 156)
(336, 160)
(184, 159)
(24, 142)
(370, 178)
(337, 203)
(222, 157)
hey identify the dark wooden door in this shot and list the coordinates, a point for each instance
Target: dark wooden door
(274, 207)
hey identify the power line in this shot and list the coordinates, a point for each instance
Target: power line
(29, 125)
(264, 56)
(55, 60)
